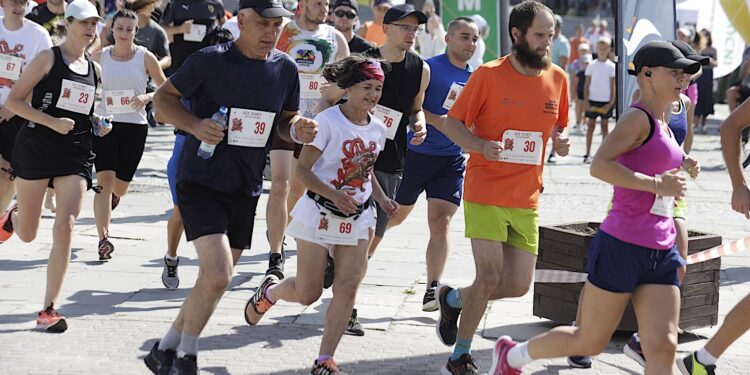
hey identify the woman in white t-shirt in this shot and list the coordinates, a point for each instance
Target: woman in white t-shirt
(336, 216)
(126, 69)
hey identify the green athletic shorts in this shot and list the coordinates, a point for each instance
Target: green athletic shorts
(518, 227)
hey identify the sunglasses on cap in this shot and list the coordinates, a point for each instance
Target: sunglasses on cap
(349, 15)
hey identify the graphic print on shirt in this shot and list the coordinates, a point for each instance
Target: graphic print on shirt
(357, 164)
(311, 55)
(14, 52)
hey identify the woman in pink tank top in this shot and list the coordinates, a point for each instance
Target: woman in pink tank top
(633, 256)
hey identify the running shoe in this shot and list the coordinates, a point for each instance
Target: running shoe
(447, 323)
(115, 201)
(579, 361)
(6, 224)
(354, 327)
(258, 303)
(633, 350)
(464, 365)
(582, 361)
(586, 159)
(105, 249)
(689, 365)
(50, 321)
(49, 202)
(169, 276)
(428, 301)
(328, 278)
(276, 265)
(327, 367)
(159, 361)
(552, 159)
(500, 364)
(187, 365)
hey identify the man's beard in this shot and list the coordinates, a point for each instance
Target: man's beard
(530, 58)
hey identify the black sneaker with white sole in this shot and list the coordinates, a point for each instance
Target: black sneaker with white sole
(159, 361)
(354, 327)
(276, 264)
(328, 278)
(428, 301)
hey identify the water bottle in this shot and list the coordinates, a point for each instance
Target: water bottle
(205, 151)
(103, 122)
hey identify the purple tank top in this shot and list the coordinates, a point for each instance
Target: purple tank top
(630, 219)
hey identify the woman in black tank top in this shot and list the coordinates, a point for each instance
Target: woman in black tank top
(54, 146)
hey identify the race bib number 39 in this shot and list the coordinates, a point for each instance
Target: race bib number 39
(390, 117)
(249, 128)
(522, 147)
(76, 97)
(452, 96)
(10, 67)
(118, 101)
(336, 230)
(196, 34)
(310, 85)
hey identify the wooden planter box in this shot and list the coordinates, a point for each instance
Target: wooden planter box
(565, 247)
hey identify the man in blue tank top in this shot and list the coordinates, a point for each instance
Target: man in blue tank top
(437, 165)
(217, 197)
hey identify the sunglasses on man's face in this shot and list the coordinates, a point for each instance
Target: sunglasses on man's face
(349, 15)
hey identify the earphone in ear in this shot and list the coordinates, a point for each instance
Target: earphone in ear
(648, 74)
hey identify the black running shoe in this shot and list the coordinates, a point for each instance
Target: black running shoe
(354, 327)
(115, 201)
(464, 365)
(106, 248)
(428, 302)
(580, 361)
(159, 361)
(187, 365)
(447, 323)
(328, 278)
(276, 265)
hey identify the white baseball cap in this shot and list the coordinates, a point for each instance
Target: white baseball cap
(81, 10)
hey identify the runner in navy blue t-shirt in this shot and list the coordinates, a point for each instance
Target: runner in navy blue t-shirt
(437, 165)
(217, 196)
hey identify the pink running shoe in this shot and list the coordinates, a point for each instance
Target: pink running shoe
(500, 364)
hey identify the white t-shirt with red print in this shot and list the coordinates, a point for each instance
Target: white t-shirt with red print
(19, 46)
(348, 157)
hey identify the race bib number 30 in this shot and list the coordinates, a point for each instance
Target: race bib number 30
(336, 230)
(310, 85)
(522, 147)
(249, 128)
(118, 101)
(452, 96)
(390, 117)
(76, 97)
(196, 34)
(10, 67)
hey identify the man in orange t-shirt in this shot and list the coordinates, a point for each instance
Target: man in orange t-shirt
(513, 106)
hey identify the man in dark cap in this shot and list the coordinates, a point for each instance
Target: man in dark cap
(345, 16)
(258, 88)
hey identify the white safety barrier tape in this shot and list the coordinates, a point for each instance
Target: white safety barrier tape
(719, 251)
(559, 276)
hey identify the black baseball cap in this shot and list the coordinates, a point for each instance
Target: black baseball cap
(266, 8)
(690, 53)
(402, 11)
(661, 53)
(348, 3)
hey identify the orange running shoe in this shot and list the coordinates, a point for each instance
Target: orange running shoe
(49, 320)
(258, 303)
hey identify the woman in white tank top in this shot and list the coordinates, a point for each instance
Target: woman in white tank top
(126, 69)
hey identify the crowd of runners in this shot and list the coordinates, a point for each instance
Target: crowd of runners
(357, 127)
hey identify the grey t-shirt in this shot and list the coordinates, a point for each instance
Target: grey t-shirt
(153, 37)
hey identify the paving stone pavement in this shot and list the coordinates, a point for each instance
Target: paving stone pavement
(117, 309)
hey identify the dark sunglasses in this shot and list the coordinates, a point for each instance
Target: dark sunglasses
(349, 15)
